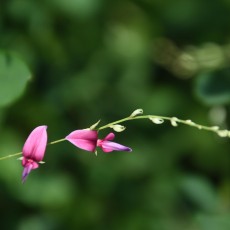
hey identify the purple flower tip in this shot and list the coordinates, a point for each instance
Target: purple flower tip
(108, 146)
(84, 139)
(28, 166)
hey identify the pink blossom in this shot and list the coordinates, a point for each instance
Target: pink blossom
(34, 150)
(84, 139)
(108, 146)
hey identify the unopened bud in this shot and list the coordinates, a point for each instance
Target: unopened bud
(136, 112)
(189, 122)
(118, 128)
(215, 128)
(94, 125)
(156, 120)
(223, 133)
(174, 121)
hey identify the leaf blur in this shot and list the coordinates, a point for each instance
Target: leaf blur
(94, 60)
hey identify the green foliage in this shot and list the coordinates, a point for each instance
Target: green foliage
(94, 59)
(200, 192)
(214, 88)
(14, 75)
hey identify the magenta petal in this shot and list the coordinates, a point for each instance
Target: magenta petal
(83, 144)
(35, 145)
(86, 134)
(106, 150)
(108, 146)
(26, 162)
(109, 137)
(84, 139)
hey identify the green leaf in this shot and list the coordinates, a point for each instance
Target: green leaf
(81, 8)
(200, 192)
(213, 222)
(14, 76)
(214, 88)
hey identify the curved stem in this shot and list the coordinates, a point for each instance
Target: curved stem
(173, 120)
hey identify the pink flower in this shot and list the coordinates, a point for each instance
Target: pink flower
(108, 146)
(84, 139)
(34, 150)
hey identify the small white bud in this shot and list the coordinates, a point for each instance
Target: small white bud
(189, 122)
(215, 128)
(136, 112)
(20, 158)
(42, 162)
(94, 125)
(117, 128)
(156, 120)
(95, 152)
(223, 133)
(174, 121)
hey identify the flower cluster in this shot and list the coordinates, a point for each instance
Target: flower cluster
(87, 139)
(35, 146)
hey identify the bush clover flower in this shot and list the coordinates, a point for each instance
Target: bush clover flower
(34, 150)
(107, 145)
(87, 139)
(84, 139)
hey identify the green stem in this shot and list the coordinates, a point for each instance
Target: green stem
(186, 122)
(55, 142)
(9, 156)
(17, 154)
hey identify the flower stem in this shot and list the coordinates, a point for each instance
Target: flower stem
(55, 142)
(9, 156)
(17, 154)
(173, 120)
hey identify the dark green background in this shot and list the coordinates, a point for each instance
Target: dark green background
(98, 59)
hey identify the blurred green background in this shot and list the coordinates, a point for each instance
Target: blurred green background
(67, 64)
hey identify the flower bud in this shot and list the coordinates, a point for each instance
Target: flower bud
(223, 133)
(189, 122)
(117, 128)
(156, 120)
(174, 121)
(215, 128)
(94, 125)
(136, 112)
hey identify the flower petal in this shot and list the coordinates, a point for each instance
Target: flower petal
(26, 162)
(35, 145)
(83, 144)
(84, 139)
(26, 172)
(109, 146)
(27, 168)
(109, 137)
(86, 134)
